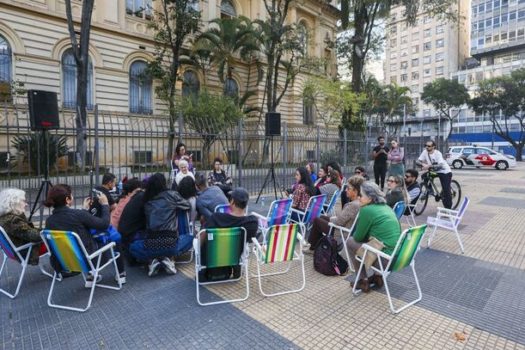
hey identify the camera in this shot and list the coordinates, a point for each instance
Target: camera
(96, 192)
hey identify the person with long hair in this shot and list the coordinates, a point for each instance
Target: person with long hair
(322, 175)
(303, 190)
(180, 154)
(396, 156)
(395, 191)
(332, 184)
(218, 177)
(129, 188)
(310, 167)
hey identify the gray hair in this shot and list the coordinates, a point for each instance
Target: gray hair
(372, 191)
(183, 163)
(11, 200)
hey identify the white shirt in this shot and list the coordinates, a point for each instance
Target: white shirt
(436, 158)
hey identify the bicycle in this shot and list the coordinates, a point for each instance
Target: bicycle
(433, 188)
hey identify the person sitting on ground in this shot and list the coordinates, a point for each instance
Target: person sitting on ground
(208, 198)
(180, 154)
(376, 220)
(302, 192)
(129, 188)
(333, 184)
(322, 175)
(80, 221)
(162, 241)
(218, 177)
(310, 168)
(188, 191)
(183, 172)
(132, 223)
(345, 218)
(108, 183)
(359, 170)
(238, 202)
(15, 223)
(395, 191)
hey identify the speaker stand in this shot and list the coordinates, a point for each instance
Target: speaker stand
(270, 176)
(45, 185)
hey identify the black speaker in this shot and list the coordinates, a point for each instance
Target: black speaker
(43, 110)
(273, 124)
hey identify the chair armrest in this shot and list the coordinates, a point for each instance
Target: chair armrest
(340, 228)
(25, 246)
(196, 245)
(299, 213)
(101, 250)
(259, 216)
(448, 211)
(376, 251)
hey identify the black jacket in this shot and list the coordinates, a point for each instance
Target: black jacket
(133, 218)
(161, 211)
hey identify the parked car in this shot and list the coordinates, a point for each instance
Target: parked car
(479, 157)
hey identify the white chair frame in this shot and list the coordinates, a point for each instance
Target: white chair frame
(191, 251)
(329, 208)
(448, 219)
(346, 233)
(94, 271)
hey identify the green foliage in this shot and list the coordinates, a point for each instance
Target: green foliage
(444, 94)
(32, 149)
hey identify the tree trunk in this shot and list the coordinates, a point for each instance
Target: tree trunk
(358, 58)
(519, 151)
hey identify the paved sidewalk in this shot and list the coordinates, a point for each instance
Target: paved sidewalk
(474, 300)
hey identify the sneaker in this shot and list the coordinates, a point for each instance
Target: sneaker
(121, 277)
(90, 279)
(153, 267)
(169, 266)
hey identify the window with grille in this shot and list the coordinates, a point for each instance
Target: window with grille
(231, 88)
(190, 83)
(5, 60)
(140, 88)
(310, 154)
(139, 8)
(142, 157)
(227, 9)
(308, 112)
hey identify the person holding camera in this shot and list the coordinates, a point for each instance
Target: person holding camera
(380, 155)
(432, 160)
(180, 154)
(108, 183)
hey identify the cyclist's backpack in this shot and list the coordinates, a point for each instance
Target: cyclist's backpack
(326, 259)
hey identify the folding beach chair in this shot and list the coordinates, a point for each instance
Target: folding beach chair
(12, 252)
(72, 256)
(279, 247)
(185, 229)
(278, 214)
(448, 219)
(346, 233)
(329, 208)
(399, 209)
(224, 247)
(313, 211)
(402, 256)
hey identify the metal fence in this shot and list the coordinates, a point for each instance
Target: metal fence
(137, 146)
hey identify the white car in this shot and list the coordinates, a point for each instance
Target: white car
(479, 157)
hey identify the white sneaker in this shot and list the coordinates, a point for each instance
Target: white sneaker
(89, 280)
(121, 278)
(169, 265)
(153, 267)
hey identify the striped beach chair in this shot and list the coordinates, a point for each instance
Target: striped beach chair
(402, 257)
(279, 247)
(278, 214)
(20, 255)
(329, 208)
(72, 256)
(224, 247)
(313, 211)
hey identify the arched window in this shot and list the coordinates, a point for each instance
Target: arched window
(231, 88)
(308, 111)
(227, 9)
(302, 33)
(69, 81)
(190, 83)
(140, 88)
(5, 60)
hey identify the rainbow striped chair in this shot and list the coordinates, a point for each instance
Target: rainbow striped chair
(224, 247)
(278, 214)
(403, 255)
(313, 210)
(328, 208)
(279, 247)
(72, 256)
(12, 252)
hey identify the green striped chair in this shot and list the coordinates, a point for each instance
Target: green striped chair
(402, 256)
(279, 247)
(224, 247)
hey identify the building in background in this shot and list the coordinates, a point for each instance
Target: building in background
(497, 40)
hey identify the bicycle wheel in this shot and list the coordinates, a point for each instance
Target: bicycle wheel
(421, 204)
(455, 190)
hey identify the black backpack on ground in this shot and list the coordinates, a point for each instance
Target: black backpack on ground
(326, 258)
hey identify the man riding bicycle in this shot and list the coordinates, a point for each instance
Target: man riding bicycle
(432, 160)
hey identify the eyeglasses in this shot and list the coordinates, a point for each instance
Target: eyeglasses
(429, 146)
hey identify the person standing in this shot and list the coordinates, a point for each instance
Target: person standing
(396, 157)
(432, 160)
(380, 154)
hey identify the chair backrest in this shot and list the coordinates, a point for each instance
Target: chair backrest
(281, 240)
(224, 246)
(68, 249)
(223, 208)
(332, 201)
(462, 210)
(7, 246)
(183, 222)
(406, 247)
(314, 208)
(279, 212)
(399, 209)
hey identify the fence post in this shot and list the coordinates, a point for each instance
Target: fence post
(239, 152)
(345, 145)
(96, 149)
(318, 148)
(285, 151)
(180, 121)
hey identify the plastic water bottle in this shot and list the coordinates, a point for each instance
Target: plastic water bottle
(262, 201)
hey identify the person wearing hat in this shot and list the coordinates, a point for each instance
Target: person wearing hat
(239, 198)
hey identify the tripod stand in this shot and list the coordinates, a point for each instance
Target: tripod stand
(45, 184)
(271, 174)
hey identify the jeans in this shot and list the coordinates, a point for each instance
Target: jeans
(139, 252)
(380, 174)
(445, 180)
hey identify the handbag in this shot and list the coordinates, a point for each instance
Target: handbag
(371, 257)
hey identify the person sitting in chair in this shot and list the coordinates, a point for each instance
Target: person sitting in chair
(218, 177)
(208, 198)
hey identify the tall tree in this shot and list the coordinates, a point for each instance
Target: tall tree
(174, 21)
(503, 99)
(80, 49)
(362, 17)
(446, 95)
(396, 101)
